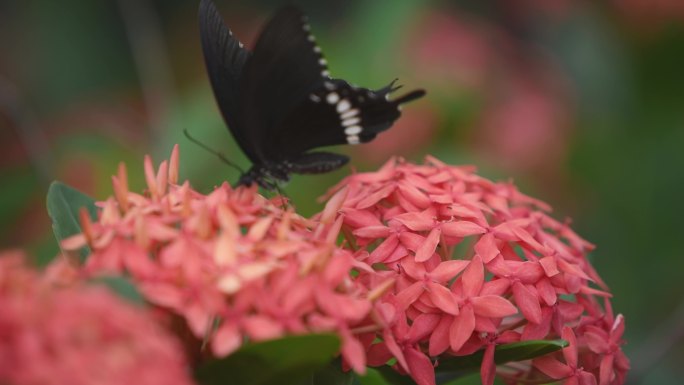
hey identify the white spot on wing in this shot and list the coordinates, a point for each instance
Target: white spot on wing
(353, 130)
(329, 85)
(343, 105)
(306, 27)
(332, 98)
(349, 114)
(314, 98)
(317, 49)
(311, 38)
(325, 73)
(350, 121)
(353, 139)
(322, 61)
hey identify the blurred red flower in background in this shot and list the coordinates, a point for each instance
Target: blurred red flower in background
(78, 335)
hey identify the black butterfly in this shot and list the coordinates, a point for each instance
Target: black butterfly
(280, 102)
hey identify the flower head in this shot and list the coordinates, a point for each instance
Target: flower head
(78, 335)
(231, 264)
(476, 264)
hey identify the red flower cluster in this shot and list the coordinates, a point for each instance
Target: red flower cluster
(438, 262)
(476, 264)
(232, 264)
(78, 335)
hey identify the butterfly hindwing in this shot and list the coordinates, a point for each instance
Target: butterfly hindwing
(337, 113)
(285, 67)
(225, 58)
(317, 162)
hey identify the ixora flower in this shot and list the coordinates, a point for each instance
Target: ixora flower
(476, 264)
(233, 265)
(78, 335)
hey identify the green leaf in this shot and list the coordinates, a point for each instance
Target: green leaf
(123, 287)
(459, 370)
(63, 205)
(288, 360)
(331, 374)
(517, 351)
(385, 375)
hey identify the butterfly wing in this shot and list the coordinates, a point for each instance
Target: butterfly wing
(284, 68)
(337, 113)
(280, 102)
(225, 59)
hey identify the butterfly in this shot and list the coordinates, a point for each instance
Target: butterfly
(280, 102)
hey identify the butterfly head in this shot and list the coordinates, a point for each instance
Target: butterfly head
(268, 177)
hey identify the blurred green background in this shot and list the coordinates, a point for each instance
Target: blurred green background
(580, 102)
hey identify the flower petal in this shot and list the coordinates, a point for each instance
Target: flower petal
(420, 367)
(552, 367)
(443, 298)
(473, 277)
(427, 249)
(486, 247)
(462, 328)
(493, 306)
(488, 368)
(462, 229)
(527, 302)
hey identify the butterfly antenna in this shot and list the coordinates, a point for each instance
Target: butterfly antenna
(218, 154)
(392, 87)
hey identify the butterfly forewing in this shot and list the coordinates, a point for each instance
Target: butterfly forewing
(284, 68)
(225, 59)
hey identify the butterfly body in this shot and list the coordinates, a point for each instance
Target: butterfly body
(280, 102)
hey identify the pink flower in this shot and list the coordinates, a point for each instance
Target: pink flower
(526, 126)
(78, 335)
(474, 264)
(233, 265)
(570, 371)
